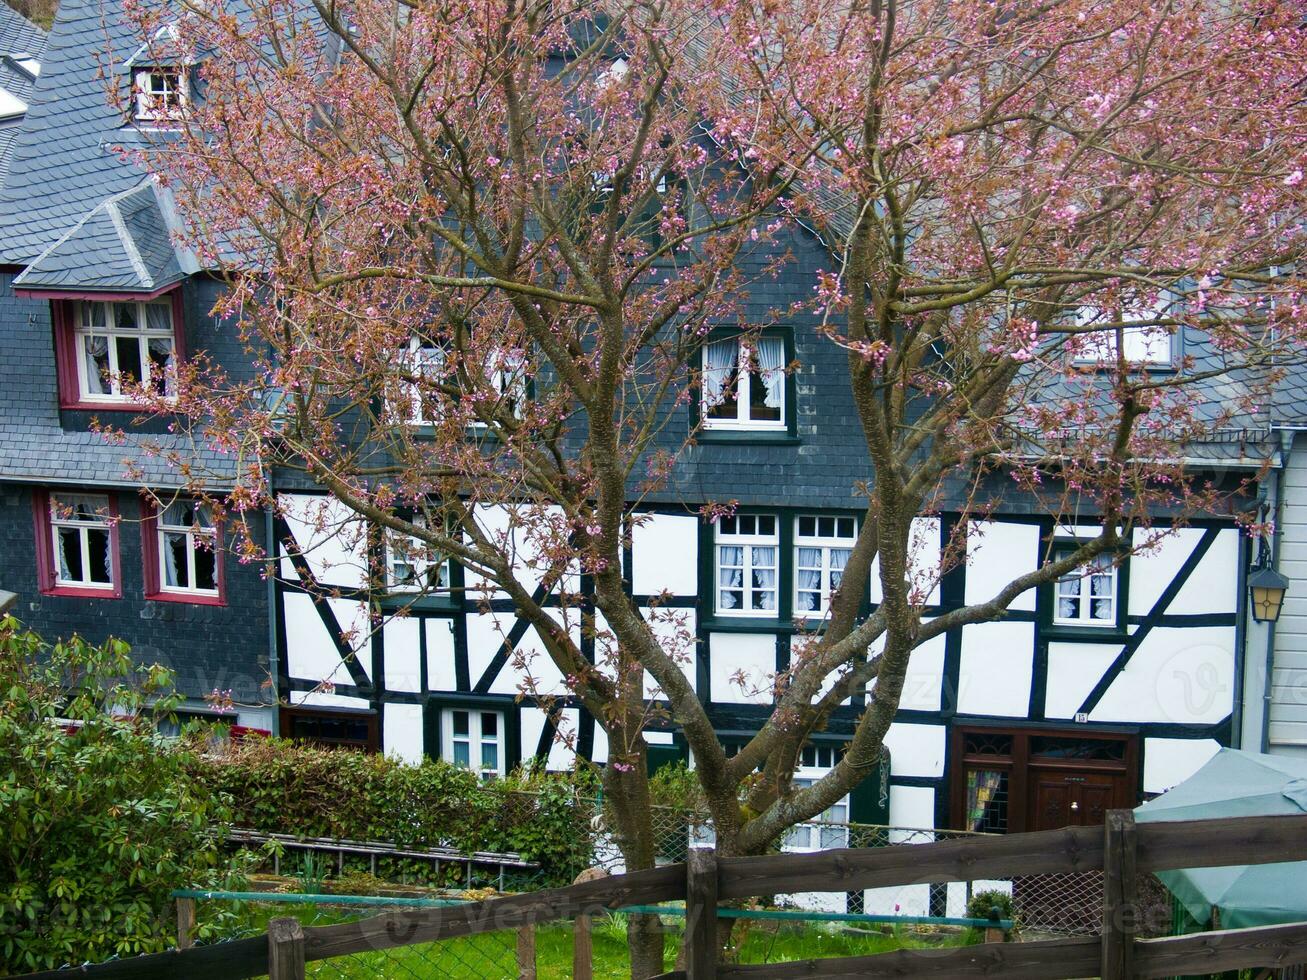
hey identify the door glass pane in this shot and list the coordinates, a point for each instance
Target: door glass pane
(987, 800)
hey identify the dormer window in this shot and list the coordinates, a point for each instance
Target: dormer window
(1144, 341)
(121, 345)
(162, 93)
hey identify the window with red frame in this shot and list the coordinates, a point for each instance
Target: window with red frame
(77, 544)
(109, 349)
(183, 553)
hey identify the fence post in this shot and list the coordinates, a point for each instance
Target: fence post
(582, 948)
(285, 949)
(1120, 895)
(185, 922)
(526, 952)
(701, 946)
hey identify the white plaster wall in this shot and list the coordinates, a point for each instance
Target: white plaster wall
(912, 806)
(322, 699)
(1212, 586)
(1168, 761)
(332, 538)
(401, 732)
(440, 655)
(997, 552)
(916, 750)
(486, 633)
(997, 661)
(1073, 670)
(403, 660)
(753, 654)
(527, 533)
(665, 555)
(562, 754)
(1155, 568)
(925, 677)
(310, 651)
(924, 565)
(1176, 675)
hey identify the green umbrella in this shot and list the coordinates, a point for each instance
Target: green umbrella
(1237, 784)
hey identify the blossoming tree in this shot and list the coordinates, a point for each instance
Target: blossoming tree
(478, 247)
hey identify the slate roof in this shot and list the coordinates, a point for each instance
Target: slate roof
(64, 164)
(18, 35)
(22, 45)
(122, 244)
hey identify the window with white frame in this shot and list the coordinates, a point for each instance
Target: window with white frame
(830, 827)
(1088, 595)
(188, 549)
(506, 372)
(81, 533)
(1148, 344)
(162, 93)
(424, 364)
(744, 383)
(119, 345)
(413, 566)
(474, 739)
(748, 550)
(822, 545)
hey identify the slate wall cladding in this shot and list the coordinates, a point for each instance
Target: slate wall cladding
(208, 646)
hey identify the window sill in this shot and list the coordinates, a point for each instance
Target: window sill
(774, 437)
(187, 598)
(394, 601)
(138, 408)
(745, 624)
(82, 592)
(1070, 631)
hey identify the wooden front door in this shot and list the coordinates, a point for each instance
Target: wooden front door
(1013, 780)
(1069, 798)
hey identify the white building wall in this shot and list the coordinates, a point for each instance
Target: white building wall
(1288, 704)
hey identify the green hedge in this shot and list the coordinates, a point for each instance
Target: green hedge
(283, 787)
(100, 818)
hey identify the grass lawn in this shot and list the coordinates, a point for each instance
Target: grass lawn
(492, 955)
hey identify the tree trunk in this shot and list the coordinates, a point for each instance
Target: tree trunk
(631, 807)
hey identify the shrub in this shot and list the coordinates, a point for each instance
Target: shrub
(982, 906)
(100, 817)
(281, 787)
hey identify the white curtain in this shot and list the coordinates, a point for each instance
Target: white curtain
(839, 557)
(158, 316)
(62, 538)
(809, 579)
(764, 578)
(720, 358)
(771, 362)
(730, 578)
(97, 363)
(171, 542)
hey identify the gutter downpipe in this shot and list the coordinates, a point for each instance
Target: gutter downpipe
(1286, 448)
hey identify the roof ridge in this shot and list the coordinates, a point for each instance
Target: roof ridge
(129, 243)
(103, 204)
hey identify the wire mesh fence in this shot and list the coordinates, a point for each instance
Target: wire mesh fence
(549, 951)
(1044, 905)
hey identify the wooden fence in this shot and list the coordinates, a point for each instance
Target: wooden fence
(1121, 850)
